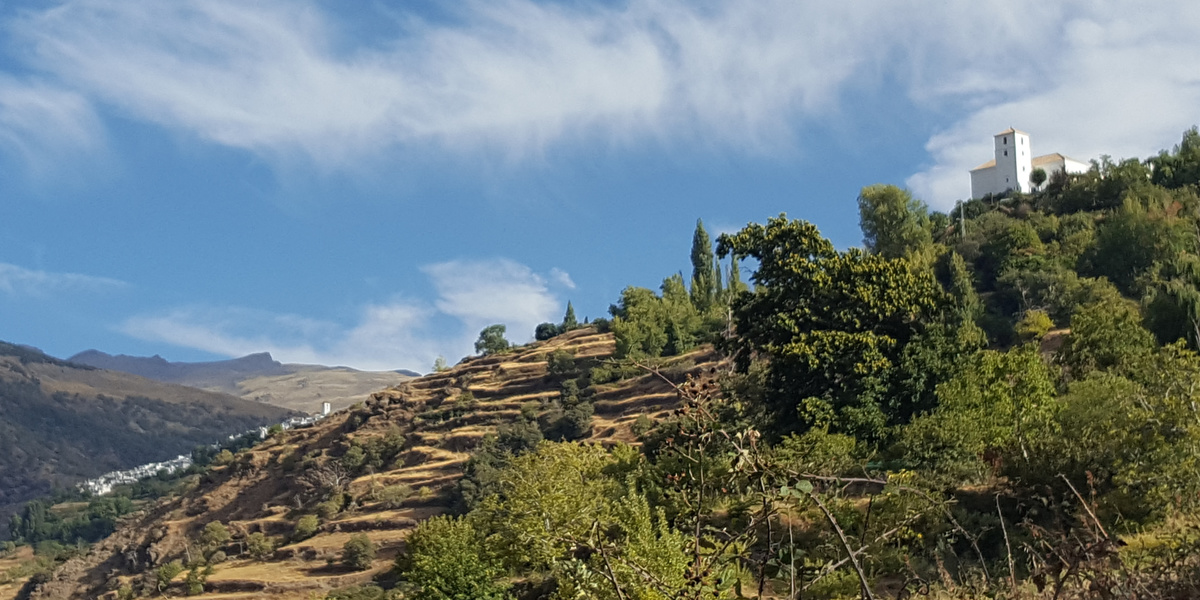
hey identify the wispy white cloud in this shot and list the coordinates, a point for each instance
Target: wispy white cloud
(41, 122)
(285, 80)
(398, 334)
(19, 281)
(562, 278)
(279, 78)
(485, 292)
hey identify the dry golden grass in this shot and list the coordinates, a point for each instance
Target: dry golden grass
(9, 591)
(261, 495)
(306, 390)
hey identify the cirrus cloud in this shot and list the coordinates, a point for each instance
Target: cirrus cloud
(20, 281)
(288, 81)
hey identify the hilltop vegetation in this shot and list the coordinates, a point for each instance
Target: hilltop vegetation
(996, 402)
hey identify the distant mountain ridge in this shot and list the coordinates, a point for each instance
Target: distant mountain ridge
(257, 377)
(62, 422)
(187, 373)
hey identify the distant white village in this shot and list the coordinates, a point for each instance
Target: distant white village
(105, 483)
(1014, 164)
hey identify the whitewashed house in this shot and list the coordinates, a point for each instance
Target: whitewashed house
(1014, 163)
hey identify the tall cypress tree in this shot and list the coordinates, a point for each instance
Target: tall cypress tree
(703, 283)
(735, 278)
(569, 320)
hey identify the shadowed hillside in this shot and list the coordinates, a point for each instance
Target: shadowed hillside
(419, 434)
(61, 423)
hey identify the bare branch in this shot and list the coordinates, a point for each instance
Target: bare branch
(1084, 504)
(862, 576)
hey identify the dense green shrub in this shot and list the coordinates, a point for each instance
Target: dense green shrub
(167, 572)
(358, 552)
(393, 496)
(561, 363)
(259, 546)
(306, 527)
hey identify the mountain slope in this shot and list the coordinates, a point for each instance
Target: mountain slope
(61, 423)
(425, 429)
(257, 377)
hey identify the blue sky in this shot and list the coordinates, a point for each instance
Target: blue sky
(371, 183)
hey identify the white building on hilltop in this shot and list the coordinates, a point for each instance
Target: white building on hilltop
(1014, 163)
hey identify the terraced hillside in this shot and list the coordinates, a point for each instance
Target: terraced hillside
(420, 433)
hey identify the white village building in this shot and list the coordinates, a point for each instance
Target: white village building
(1014, 163)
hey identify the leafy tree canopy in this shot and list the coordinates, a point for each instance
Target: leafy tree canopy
(491, 340)
(833, 325)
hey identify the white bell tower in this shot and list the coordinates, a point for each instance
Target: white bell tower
(1014, 160)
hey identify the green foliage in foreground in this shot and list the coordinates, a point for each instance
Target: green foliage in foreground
(994, 403)
(447, 559)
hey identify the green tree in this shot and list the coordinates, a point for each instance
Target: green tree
(491, 340)
(545, 331)
(1180, 167)
(259, 546)
(1107, 335)
(565, 497)
(683, 321)
(1037, 177)
(833, 327)
(197, 576)
(393, 496)
(962, 289)
(1001, 404)
(306, 527)
(704, 285)
(894, 224)
(447, 558)
(215, 535)
(735, 285)
(997, 243)
(358, 552)
(481, 474)
(1173, 300)
(645, 324)
(439, 364)
(569, 321)
(1034, 325)
(639, 323)
(164, 574)
(1136, 237)
(546, 500)
(561, 363)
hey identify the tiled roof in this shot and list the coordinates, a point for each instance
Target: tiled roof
(987, 165)
(1047, 158)
(1056, 157)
